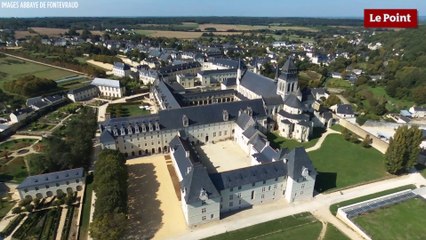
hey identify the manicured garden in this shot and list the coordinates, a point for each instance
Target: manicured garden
(300, 226)
(15, 170)
(402, 221)
(341, 164)
(87, 203)
(334, 207)
(16, 144)
(126, 110)
(332, 233)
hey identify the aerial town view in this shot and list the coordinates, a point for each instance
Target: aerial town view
(219, 120)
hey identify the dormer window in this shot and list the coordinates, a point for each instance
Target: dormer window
(129, 129)
(143, 127)
(250, 111)
(122, 131)
(203, 195)
(185, 121)
(157, 126)
(225, 115)
(305, 172)
(115, 132)
(136, 129)
(150, 127)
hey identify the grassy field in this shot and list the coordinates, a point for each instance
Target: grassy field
(16, 144)
(14, 171)
(126, 110)
(227, 27)
(5, 207)
(392, 102)
(301, 226)
(332, 233)
(179, 34)
(404, 220)
(337, 83)
(85, 216)
(341, 164)
(334, 207)
(278, 141)
(11, 69)
(309, 76)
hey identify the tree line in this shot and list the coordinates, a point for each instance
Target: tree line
(110, 185)
(30, 86)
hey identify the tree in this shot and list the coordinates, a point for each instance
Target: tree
(367, 141)
(16, 210)
(111, 226)
(403, 149)
(333, 99)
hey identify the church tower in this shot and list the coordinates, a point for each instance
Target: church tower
(288, 80)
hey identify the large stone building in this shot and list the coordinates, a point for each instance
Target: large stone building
(52, 184)
(109, 88)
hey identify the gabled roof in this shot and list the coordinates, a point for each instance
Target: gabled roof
(289, 65)
(294, 116)
(229, 82)
(48, 178)
(106, 82)
(259, 84)
(81, 89)
(22, 111)
(244, 121)
(249, 175)
(106, 138)
(273, 100)
(297, 160)
(292, 101)
(344, 109)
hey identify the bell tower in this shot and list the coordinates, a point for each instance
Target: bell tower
(288, 80)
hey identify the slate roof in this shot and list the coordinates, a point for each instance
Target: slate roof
(259, 84)
(106, 82)
(49, 178)
(344, 109)
(36, 102)
(273, 100)
(217, 72)
(106, 137)
(294, 116)
(289, 65)
(248, 175)
(121, 66)
(297, 160)
(230, 63)
(244, 121)
(165, 93)
(292, 101)
(81, 89)
(53, 98)
(22, 111)
(164, 71)
(229, 82)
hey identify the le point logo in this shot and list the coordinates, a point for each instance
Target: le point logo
(390, 18)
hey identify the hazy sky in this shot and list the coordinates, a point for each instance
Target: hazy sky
(275, 8)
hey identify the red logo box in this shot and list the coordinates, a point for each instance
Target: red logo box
(390, 18)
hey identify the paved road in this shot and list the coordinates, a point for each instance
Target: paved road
(318, 206)
(45, 64)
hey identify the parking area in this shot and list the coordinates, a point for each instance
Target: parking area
(224, 156)
(154, 208)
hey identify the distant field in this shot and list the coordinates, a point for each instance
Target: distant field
(179, 34)
(51, 32)
(185, 26)
(401, 221)
(226, 27)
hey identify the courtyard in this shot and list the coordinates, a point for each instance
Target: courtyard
(223, 156)
(154, 209)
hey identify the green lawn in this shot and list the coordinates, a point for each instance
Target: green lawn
(5, 207)
(85, 216)
(13, 145)
(402, 221)
(279, 142)
(15, 171)
(301, 226)
(337, 127)
(392, 102)
(332, 233)
(334, 207)
(341, 164)
(11, 69)
(126, 110)
(337, 83)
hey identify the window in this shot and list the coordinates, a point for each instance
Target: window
(303, 186)
(231, 204)
(57, 184)
(269, 188)
(239, 195)
(211, 216)
(26, 190)
(214, 134)
(239, 187)
(253, 184)
(226, 132)
(264, 181)
(263, 196)
(276, 179)
(47, 186)
(203, 218)
(263, 189)
(220, 133)
(36, 188)
(232, 189)
(203, 210)
(231, 197)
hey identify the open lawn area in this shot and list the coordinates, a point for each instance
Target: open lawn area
(341, 164)
(332, 233)
(392, 102)
(402, 221)
(85, 216)
(11, 69)
(16, 144)
(334, 207)
(279, 142)
(301, 226)
(337, 83)
(15, 171)
(126, 110)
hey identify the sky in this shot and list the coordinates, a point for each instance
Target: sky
(254, 8)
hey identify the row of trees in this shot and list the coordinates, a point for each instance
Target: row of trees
(73, 149)
(110, 185)
(30, 86)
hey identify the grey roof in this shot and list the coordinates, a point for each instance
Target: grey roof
(244, 121)
(53, 177)
(106, 138)
(259, 84)
(289, 65)
(194, 175)
(229, 82)
(273, 100)
(121, 66)
(165, 93)
(164, 71)
(53, 98)
(305, 123)
(344, 109)
(81, 89)
(212, 93)
(249, 175)
(297, 160)
(217, 72)
(230, 63)
(21, 111)
(292, 101)
(106, 82)
(197, 115)
(294, 116)
(36, 102)
(249, 132)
